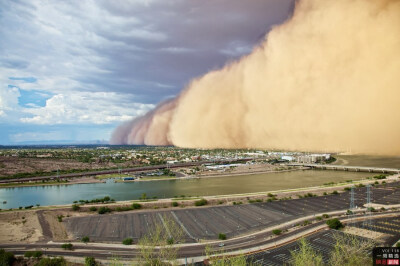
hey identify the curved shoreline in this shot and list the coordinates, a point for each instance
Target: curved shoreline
(94, 180)
(282, 193)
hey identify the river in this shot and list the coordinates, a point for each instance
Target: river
(66, 194)
(368, 160)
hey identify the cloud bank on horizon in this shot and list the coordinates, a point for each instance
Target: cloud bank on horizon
(326, 79)
(76, 69)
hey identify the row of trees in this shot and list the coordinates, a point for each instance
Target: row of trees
(35, 258)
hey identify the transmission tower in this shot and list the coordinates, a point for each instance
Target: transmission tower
(352, 205)
(368, 221)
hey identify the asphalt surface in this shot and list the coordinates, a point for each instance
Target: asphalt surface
(270, 256)
(206, 223)
(324, 241)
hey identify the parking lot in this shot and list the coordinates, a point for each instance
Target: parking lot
(233, 220)
(389, 226)
(322, 242)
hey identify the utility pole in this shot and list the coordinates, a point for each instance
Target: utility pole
(352, 205)
(368, 222)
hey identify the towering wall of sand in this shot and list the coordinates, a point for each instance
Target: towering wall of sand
(326, 79)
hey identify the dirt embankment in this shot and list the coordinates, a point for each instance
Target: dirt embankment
(18, 227)
(54, 225)
(33, 226)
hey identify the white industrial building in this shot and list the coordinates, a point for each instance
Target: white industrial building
(313, 158)
(287, 158)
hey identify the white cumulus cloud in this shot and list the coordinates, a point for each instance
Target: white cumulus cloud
(85, 107)
(8, 100)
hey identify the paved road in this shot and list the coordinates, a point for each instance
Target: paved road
(194, 250)
(348, 168)
(323, 242)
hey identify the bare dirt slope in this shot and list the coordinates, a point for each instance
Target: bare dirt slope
(19, 226)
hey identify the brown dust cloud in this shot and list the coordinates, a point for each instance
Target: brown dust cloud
(327, 79)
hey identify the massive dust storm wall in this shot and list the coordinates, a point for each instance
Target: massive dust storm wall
(326, 79)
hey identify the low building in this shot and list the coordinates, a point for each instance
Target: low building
(313, 158)
(287, 158)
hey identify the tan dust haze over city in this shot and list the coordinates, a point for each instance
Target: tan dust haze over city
(327, 79)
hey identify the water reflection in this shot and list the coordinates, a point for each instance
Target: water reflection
(66, 194)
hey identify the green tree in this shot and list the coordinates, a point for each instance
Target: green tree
(103, 210)
(200, 202)
(136, 206)
(305, 255)
(221, 236)
(59, 261)
(334, 224)
(276, 231)
(34, 254)
(127, 241)
(90, 261)
(350, 250)
(85, 239)
(67, 246)
(163, 235)
(37, 254)
(6, 258)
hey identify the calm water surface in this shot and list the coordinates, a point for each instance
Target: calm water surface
(66, 194)
(369, 160)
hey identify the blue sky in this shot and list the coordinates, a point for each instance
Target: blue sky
(71, 71)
